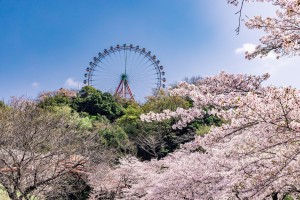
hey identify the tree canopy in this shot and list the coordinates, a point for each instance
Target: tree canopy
(94, 102)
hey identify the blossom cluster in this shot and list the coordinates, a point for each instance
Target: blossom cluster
(222, 91)
(282, 30)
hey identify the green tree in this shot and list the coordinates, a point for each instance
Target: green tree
(61, 97)
(94, 102)
(55, 101)
(131, 115)
(2, 104)
(164, 101)
(114, 137)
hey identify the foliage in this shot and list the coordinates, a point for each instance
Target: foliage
(85, 123)
(206, 120)
(202, 130)
(131, 115)
(282, 32)
(3, 194)
(94, 102)
(114, 137)
(2, 104)
(83, 120)
(124, 102)
(61, 97)
(53, 101)
(164, 101)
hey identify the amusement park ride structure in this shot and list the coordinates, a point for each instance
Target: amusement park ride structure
(128, 71)
(123, 90)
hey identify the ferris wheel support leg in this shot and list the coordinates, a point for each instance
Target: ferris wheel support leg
(123, 90)
(118, 88)
(129, 91)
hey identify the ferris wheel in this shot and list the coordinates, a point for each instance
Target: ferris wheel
(127, 71)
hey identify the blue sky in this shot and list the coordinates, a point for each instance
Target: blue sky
(46, 45)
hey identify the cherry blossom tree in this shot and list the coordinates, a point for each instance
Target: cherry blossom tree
(253, 155)
(40, 150)
(282, 31)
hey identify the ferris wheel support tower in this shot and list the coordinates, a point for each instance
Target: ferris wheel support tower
(123, 90)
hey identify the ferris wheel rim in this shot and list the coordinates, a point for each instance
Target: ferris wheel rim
(136, 49)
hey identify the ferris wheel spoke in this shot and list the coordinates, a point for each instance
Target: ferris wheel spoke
(104, 66)
(106, 70)
(125, 58)
(147, 61)
(122, 62)
(132, 60)
(150, 84)
(144, 70)
(145, 83)
(150, 67)
(141, 68)
(106, 84)
(106, 59)
(142, 80)
(136, 68)
(138, 60)
(117, 59)
(113, 60)
(147, 66)
(136, 75)
(100, 69)
(107, 81)
(128, 60)
(103, 77)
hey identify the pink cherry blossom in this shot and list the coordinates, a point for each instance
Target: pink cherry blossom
(253, 155)
(282, 30)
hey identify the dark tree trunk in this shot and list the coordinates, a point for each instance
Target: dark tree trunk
(275, 196)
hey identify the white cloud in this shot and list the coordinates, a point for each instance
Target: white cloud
(35, 84)
(271, 56)
(72, 83)
(284, 72)
(246, 47)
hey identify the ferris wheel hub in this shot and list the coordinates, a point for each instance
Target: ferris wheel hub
(124, 77)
